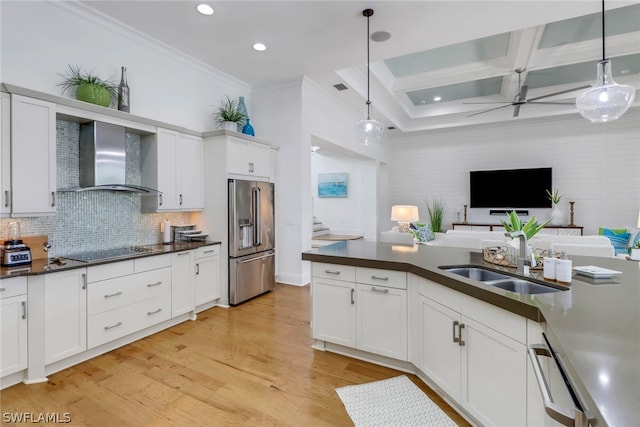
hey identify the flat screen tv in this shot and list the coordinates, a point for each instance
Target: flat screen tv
(510, 188)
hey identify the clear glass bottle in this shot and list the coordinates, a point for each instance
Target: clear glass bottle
(123, 92)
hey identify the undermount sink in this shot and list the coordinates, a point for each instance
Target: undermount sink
(502, 281)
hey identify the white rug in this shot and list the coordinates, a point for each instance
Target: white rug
(392, 402)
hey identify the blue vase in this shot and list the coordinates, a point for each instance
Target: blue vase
(242, 109)
(248, 129)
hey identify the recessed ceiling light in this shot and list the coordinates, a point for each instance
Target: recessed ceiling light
(205, 9)
(259, 47)
(437, 98)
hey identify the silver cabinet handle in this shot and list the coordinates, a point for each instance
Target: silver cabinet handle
(151, 285)
(150, 313)
(382, 291)
(180, 199)
(3, 289)
(113, 295)
(53, 199)
(6, 198)
(353, 291)
(183, 253)
(208, 252)
(380, 278)
(332, 272)
(460, 328)
(455, 339)
(106, 328)
(160, 199)
(197, 269)
(84, 280)
(561, 415)
(24, 309)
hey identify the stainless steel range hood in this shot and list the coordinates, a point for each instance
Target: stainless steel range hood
(103, 159)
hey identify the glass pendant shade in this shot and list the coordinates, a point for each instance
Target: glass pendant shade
(606, 100)
(369, 131)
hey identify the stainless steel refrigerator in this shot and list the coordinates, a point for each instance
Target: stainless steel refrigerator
(251, 239)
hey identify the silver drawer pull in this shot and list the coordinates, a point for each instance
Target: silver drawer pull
(106, 328)
(158, 283)
(149, 313)
(209, 252)
(382, 291)
(3, 289)
(184, 253)
(332, 272)
(454, 338)
(113, 295)
(460, 328)
(380, 278)
(24, 309)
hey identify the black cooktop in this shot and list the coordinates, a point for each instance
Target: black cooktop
(107, 254)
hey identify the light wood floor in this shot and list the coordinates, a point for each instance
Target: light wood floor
(248, 365)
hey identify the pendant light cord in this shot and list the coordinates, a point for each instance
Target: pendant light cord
(603, 33)
(368, 13)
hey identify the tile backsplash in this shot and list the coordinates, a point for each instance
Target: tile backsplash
(92, 220)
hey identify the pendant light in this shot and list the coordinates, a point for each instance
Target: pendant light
(606, 100)
(368, 130)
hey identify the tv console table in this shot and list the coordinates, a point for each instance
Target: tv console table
(562, 230)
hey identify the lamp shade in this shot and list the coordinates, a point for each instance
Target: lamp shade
(606, 100)
(369, 131)
(404, 213)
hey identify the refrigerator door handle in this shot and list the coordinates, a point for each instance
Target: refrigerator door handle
(257, 258)
(257, 216)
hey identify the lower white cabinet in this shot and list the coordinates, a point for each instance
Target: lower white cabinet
(182, 283)
(367, 311)
(482, 368)
(207, 271)
(65, 314)
(13, 325)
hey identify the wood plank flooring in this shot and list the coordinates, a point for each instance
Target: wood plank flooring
(248, 365)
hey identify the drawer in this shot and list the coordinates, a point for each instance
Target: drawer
(206, 251)
(346, 273)
(114, 324)
(122, 291)
(152, 263)
(109, 271)
(12, 287)
(388, 278)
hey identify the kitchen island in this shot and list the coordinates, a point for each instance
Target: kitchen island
(593, 325)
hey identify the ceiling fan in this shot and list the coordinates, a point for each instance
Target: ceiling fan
(521, 98)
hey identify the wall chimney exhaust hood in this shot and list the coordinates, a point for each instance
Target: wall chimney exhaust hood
(103, 159)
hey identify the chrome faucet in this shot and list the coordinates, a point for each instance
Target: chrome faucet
(524, 258)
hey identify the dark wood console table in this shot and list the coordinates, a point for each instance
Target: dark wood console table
(566, 230)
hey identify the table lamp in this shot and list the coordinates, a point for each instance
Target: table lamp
(404, 214)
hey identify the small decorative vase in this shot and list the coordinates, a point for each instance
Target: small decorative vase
(242, 109)
(123, 92)
(93, 94)
(248, 129)
(230, 126)
(557, 216)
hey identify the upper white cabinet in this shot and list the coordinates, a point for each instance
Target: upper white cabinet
(5, 154)
(33, 156)
(172, 163)
(249, 158)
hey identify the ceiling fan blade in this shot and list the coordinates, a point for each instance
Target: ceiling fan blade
(551, 103)
(522, 96)
(516, 110)
(495, 102)
(490, 109)
(559, 93)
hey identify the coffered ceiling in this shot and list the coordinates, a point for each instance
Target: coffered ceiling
(442, 60)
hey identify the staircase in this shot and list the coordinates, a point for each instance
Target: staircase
(322, 235)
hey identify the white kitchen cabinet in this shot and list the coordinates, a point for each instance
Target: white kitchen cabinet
(172, 163)
(207, 274)
(249, 158)
(483, 368)
(5, 154)
(361, 308)
(182, 283)
(13, 325)
(65, 314)
(33, 157)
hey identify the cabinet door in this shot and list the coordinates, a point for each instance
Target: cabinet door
(261, 158)
(13, 334)
(334, 311)
(5, 153)
(189, 151)
(207, 279)
(382, 320)
(167, 170)
(494, 372)
(65, 314)
(238, 155)
(33, 156)
(440, 354)
(182, 292)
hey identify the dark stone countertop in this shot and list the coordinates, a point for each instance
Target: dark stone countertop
(44, 266)
(594, 325)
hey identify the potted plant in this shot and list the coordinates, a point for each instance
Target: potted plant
(436, 212)
(228, 116)
(530, 228)
(634, 253)
(88, 87)
(557, 216)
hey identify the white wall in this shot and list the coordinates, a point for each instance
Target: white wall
(356, 213)
(597, 165)
(41, 39)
